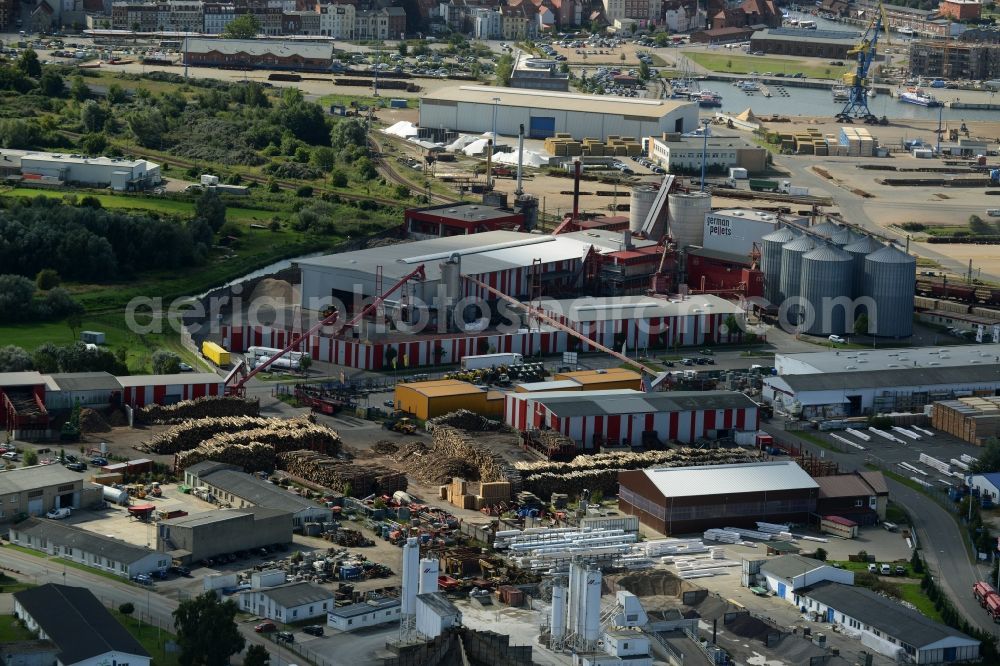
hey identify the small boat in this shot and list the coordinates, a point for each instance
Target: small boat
(871, 92)
(707, 98)
(918, 97)
(807, 25)
(841, 93)
(747, 85)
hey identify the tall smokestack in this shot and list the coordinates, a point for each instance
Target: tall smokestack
(576, 190)
(520, 158)
(411, 576)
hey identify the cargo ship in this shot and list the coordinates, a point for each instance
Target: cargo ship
(918, 97)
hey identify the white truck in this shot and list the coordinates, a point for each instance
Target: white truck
(797, 190)
(735, 174)
(485, 361)
(208, 180)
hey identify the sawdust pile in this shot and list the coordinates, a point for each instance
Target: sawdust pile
(93, 421)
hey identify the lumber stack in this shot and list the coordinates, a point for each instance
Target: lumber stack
(973, 419)
(199, 408)
(358, 480)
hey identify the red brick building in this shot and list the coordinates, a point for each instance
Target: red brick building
(458, 220)
(961, 10)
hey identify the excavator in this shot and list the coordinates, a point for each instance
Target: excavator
(857, 81)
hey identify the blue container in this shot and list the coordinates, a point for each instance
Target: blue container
(397, 104)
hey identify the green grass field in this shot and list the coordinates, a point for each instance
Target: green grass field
(11, 631)
(151, 638)
(740, 64)
(365, 100)
(152, 204)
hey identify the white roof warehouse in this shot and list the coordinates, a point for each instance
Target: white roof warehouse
(470, 108)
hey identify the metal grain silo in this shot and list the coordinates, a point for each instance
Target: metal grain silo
(890, 277)
(825, 229)
(770, 261)
(639, 205)
(844, 237)
(827, 275)
(687, 217)
(791, 272)
(858, 251)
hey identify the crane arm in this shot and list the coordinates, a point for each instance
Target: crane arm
(540, 314)
(327, 321)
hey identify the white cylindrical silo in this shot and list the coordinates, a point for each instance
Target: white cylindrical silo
(558, 620)
(592, 607)
(687, 217)
(411, 575)
(639, 205)
(451, 277)
(573, 603)
(428, 575)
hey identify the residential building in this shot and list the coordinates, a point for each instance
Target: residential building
(184, 16)
(487, 23)
(683, 154)
(961, 10)
(924, 22)
(230, 487)
(365, 614)
(953, 60)
(384, 23)
(33, 491)
(7, 15)
(888, 627)
(787, 575)
(217, 16)
(337, 21)
(681, 16)
(306, 22)
(518, 21)
(291, 602)
(861, 497)
(94, 550)
(201, 536)
(82, 630)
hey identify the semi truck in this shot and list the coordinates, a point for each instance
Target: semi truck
(486, 361)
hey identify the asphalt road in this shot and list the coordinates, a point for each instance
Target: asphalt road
(939, 536)
(149, 605)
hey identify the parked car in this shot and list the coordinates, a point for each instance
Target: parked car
(99, 461)
(872, 568)
(59, 514)
(284, 637)
(313, 630)
(76, 466)
(10, 455)
(707, 352)
(836, 339)
(180, 571)
(265, 627)
(184, 367)
(885, 570)
(143, 579)
(900, 570)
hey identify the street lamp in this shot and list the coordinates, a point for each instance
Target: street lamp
(704, 149)
(496, 100)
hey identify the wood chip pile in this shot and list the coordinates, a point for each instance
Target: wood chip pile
(280, 434)
(361, 480)
(199, 408)
(600, 471)
(456, 453)
(466, 420)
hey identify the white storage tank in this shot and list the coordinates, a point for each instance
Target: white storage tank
(639, 206)
(687, 217)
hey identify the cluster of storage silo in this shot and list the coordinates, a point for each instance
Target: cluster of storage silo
(828, 268)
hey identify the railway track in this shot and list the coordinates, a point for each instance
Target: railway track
(387, 170)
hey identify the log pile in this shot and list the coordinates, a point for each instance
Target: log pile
(359, 480)
(190, 434)
(251, 456)
(454, 450)
(280, 435)
(600, 471)
(463, 419)
(199, 408)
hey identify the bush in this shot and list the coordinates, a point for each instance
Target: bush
(304, 191)
(47, 279)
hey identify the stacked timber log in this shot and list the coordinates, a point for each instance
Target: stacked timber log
(251, 456)
(199, 408)
(279, 434)
(466, 420)
(600, 471)
(453, 443)
(358, 480)
(191, 434)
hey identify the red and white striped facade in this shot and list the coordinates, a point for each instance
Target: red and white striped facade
(636, 412)
(142, 390)
(682, 330)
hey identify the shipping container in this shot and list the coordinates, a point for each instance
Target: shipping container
(215, 353)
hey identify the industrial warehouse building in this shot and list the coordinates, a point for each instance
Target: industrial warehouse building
(291, 602)
(365, 614)
(682, 500)
(204, 535)
(229, 486)
(787, 575)
(683, 154)
(471, 108)
(117, 173)
(36, 490)
(888, 627)
(82, 631)
(425, 400)
(458, 220)
(802, 42)
(622, 416)
(293, 54)
(95, 550)
(857, 382)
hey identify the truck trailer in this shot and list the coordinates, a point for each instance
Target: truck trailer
(215, 353)
(486, 361)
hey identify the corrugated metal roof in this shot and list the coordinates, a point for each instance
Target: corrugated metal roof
(61, 534)
(24, 479)
(628, 401)
(790, 566)
(167, 380)
(443, 388)
(554, 385)
(729, 479)
(639, 307)
(281, 48)
(652, 109)
(363, 608)
(842, 485)
(29, 378)
(876, 378)
(86, 381)
(291, 595)
(889, 358)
